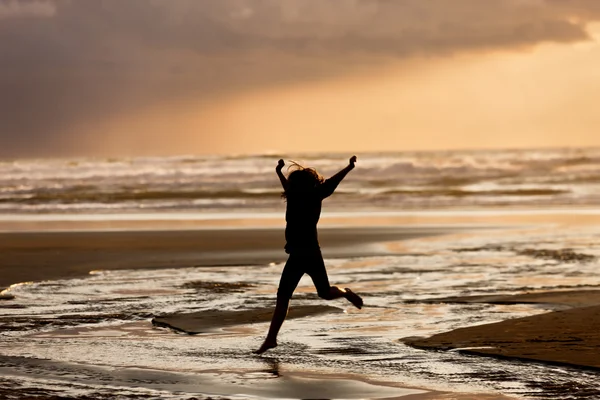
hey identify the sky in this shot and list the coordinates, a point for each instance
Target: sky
(162, 77)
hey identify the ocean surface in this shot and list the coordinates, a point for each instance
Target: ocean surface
(91, 337)
(385, 181)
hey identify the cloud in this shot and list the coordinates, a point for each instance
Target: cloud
(95, 61)
(25, 8)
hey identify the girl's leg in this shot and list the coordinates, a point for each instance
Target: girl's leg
(318, 273)
(279, 315)
(291, 275)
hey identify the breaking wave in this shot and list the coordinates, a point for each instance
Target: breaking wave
(382, 180)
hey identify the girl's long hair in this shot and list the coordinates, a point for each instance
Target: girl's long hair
(301, 180)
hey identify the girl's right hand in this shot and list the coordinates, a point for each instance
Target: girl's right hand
(352, 160)
(280, 164)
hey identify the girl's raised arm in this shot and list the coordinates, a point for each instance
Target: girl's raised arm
(282, 178)
(329, 186)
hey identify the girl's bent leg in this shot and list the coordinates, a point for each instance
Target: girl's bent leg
(332, 293)
(279, 315)
(335, 292)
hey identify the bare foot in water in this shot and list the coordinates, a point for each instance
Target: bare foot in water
(353, 298)
(265, 346)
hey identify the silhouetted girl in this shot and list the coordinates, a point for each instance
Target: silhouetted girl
(304, 190)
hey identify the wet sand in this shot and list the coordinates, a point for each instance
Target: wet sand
(207, 321)
(566, 337)
(257, 384)
(37, 256)
(270, 382)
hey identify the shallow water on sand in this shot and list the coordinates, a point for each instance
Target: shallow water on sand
(93, 336)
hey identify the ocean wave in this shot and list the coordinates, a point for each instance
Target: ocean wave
(570, 176)
(76, 195)
(467, 193)
(87, 199)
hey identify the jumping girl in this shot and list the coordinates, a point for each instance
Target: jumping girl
(304, 190)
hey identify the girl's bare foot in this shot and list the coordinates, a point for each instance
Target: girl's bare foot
(353, 298)
(265, 346)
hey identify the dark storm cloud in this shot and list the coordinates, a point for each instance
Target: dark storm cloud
(68, 64)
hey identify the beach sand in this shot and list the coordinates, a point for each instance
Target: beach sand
(34, 250)
(39, 255)
(568, 337)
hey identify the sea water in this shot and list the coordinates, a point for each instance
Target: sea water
(385, 181)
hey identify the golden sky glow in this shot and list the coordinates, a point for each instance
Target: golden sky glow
(541, 97)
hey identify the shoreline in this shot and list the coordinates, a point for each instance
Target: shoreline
(504, 216)
(43, 247)
(35, 256)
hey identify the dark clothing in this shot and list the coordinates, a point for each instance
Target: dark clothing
(302, 215)
(298, 264)
(302, 243)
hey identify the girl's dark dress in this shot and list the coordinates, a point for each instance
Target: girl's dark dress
(302, 242)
